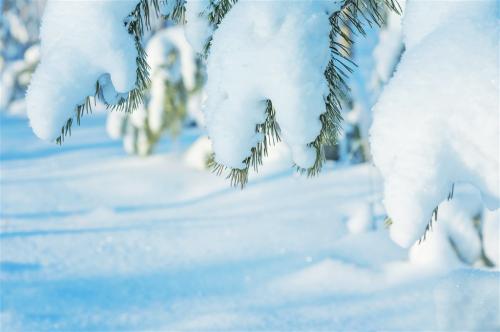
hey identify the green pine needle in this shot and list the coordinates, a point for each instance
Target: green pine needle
(351, 17)
(271, 135)
(434, 217)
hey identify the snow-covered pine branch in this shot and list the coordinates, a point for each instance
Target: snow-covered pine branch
(276, 74)
(273, 73)
(90, 50)
(437, 122)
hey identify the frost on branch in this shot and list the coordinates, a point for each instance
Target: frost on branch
(437, 122)
(89, 49)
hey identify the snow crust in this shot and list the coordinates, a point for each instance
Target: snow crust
(259, 52)
(437, 121)
(80, 42)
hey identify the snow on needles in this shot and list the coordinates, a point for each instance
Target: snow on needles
(80, 41)
(260, 52)
(437, 121)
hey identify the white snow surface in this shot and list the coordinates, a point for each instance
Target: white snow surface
(80, 42)
(437, 121)
(92, 239)
(259, 52)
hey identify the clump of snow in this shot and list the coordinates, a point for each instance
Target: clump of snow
(259, 52)
(435, 251)
(437, 121)
(465, 234)
(453, 240)
(80, 42)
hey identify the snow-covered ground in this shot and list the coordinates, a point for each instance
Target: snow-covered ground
(92, 239)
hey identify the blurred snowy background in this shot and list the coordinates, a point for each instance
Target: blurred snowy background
(124, 228)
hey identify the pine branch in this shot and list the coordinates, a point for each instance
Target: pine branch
(351, 17)
(136, 23)
(428, 228)
(178, 14)
(434, 216)
(215, 13)
(271, 135)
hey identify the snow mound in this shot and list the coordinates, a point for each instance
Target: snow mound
(260, 52)
(437, 122)
(80, 42)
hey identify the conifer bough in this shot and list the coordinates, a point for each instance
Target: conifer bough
(349, 17)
